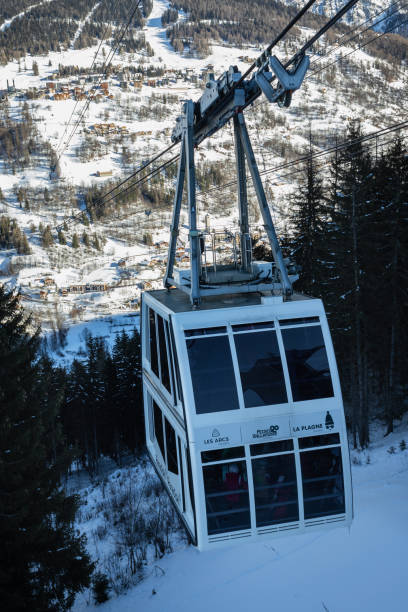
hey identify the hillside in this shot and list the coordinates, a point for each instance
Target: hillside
(75, 271)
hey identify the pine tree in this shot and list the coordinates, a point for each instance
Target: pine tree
(386, 304)
(61, 237)
(75, 241)
(85, 239)
(307, 219)
(43, 563)
(47, 239)
(346, 247)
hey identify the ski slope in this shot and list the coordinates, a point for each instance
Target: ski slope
(361, 570)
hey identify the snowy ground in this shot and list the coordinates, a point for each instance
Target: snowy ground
(361, 570)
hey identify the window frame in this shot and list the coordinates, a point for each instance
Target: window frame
(296, 451)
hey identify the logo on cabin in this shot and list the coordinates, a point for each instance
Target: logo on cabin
(217, 438)
(266, 433)
(329, 421)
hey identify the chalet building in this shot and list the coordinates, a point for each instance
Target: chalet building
(43, 294)
(96, 287)
(104, 173)
(48, 281)
(61, 96)
(105, 86)
(51, 86)
(76, 288)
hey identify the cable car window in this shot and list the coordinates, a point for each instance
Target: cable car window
(190, 482)
(164, 363)
(303, 321)
(322, 477)
(307, 363)
(212, 374)
(154, 361)
(171, 447)
(170, 357)
(151, 418)
(183, 497)
(176, 365)
(326, 440)
(226, 496)
(250, 326)
(260, 368)
(271, 447)
(275, 489)
(222, 454)
(158, 427)
(189, 333)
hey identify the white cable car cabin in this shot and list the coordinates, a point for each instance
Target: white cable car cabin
(244, 415)
(243, 409)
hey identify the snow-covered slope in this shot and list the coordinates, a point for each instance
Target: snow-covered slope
(363, 10)
(361, 570)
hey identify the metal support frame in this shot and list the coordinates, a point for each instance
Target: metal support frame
(243, 155)
(245, 240)
(263, 204)
(174, 232)
(186, 164)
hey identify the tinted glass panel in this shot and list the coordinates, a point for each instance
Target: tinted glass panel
(271, 447)
(222, 454)
(205, 332)
(164, 363)
(260, 368)
(176, 365)
(170, 356)
(172, 465)
(183, 497)
(190, 482)
(212, 374)
(154, 363)
(158, 427)
(307, 362)
(283, 322)
(275, 488)
(226, 496)
(249, 326)
(322, 476)
(319, 440)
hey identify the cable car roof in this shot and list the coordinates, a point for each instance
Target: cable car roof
(178, 301)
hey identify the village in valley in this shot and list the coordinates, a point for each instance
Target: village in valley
(78, 263)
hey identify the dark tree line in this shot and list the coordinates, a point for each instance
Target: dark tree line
(239, 22)
(11, 236)
(102, 409)
(43, 562)
(350, 239)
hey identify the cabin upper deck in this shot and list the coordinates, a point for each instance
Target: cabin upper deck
(177, 301)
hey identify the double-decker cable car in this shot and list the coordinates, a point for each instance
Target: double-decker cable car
(243, 409)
